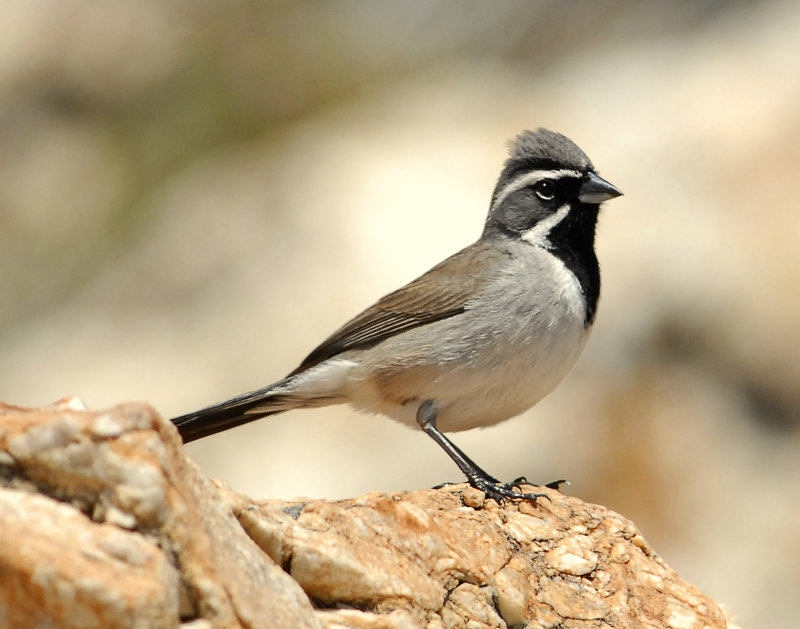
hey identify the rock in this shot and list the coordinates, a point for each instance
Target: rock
(104, 522)
(57, 564)
(431, 555)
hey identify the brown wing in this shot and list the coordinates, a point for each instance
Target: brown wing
(441, 293)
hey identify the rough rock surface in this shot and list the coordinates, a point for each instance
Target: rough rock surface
(104, 522)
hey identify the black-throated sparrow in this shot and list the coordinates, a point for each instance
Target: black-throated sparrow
(479, 338)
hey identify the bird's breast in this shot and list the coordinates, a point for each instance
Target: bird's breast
(510, 347)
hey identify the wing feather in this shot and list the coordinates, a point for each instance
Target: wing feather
(442, 292)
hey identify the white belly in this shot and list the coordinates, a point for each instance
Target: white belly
(491, 363)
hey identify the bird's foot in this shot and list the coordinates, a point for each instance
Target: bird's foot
(483, 476)
(501, 492)
(553, 484)
(504, 491)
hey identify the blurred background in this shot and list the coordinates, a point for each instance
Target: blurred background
(192, 195)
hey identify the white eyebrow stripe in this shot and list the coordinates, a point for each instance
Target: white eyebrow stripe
(538, 234)
(531, 177)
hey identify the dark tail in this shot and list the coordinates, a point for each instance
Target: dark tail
(236, 411)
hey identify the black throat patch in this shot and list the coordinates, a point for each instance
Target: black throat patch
(572, 241)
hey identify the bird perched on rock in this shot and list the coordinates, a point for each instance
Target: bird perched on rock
(478, 339)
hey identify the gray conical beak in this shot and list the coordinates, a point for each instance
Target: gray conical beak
(595, 190)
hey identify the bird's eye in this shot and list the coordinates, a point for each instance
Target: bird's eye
(545, 190)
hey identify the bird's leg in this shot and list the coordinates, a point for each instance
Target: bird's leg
(493, 488)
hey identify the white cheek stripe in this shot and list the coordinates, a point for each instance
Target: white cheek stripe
(537, 235)
(526, 179)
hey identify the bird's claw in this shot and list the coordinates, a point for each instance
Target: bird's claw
(501, 492)
(553, 484)
(504, 491)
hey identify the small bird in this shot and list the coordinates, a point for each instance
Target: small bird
(478, 339)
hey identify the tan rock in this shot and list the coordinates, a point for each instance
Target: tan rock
(56, 564)
(104, 522)
(119, 529)
(573, 555)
